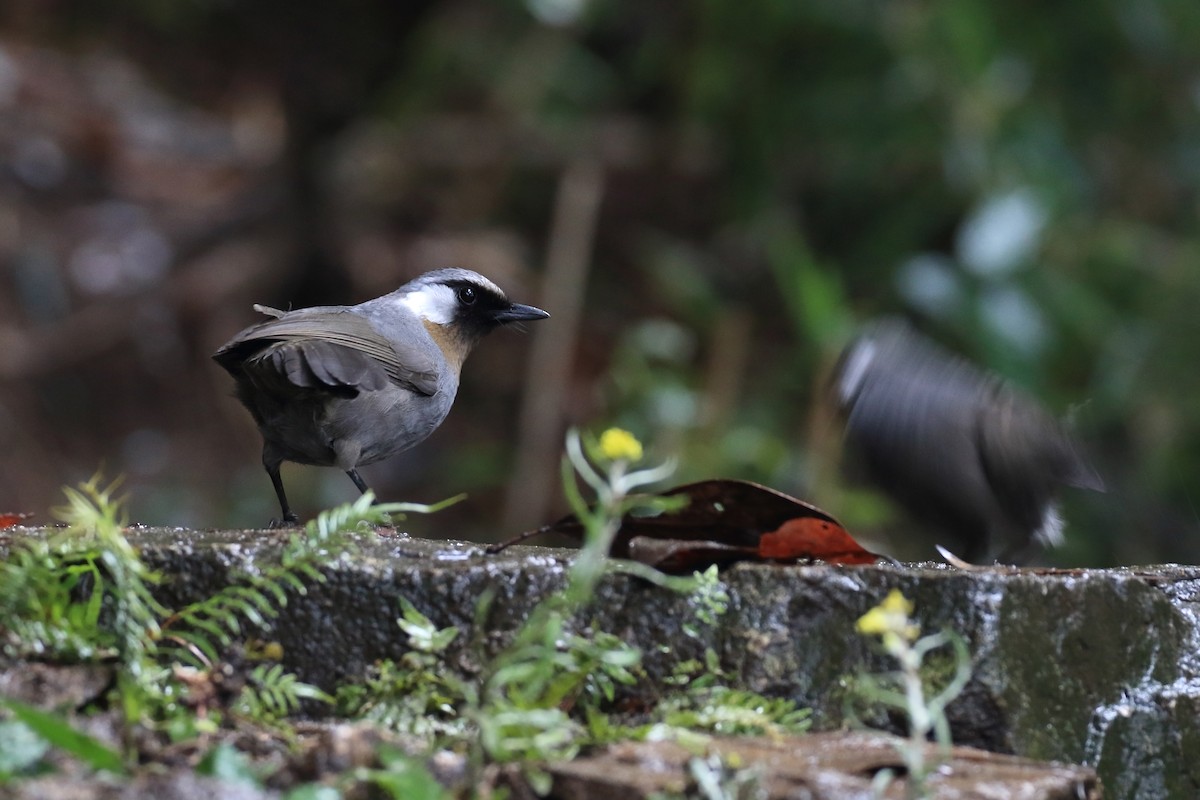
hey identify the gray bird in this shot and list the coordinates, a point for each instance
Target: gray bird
(347, 386)
(961, 450)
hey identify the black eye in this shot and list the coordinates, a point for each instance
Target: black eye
(466, 295)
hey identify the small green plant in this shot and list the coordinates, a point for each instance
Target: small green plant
(548, 668)
(53, 591)
(905, 690)
(230, 765)
(709, 600)
(418, 695)
(399, 777)
(704, 703)
(604, 465)
(84, 594)
(541, 697)
(721, 710)
(270, 694)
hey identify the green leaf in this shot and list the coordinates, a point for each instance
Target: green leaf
(404, 778)
(423, 635)
(419, 508)
(227, 764)
(442, 639)
(20, 748)
(313, 791)
(59, 733)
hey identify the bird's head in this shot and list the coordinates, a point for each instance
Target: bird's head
(458, 307)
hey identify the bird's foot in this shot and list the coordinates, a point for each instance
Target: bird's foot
(289, 520)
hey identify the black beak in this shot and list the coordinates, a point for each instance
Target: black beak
(517, 312)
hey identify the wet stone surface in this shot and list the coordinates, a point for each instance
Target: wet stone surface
(1094, 667)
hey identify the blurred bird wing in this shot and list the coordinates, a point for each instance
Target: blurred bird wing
(330, 349)
(1023, 451)
(1084, 476)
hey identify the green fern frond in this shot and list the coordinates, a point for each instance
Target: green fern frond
(83, 591)
(734, 712)
(417, 697)
(271, 694)
(96, 518)
(93, 509)
(256, 598)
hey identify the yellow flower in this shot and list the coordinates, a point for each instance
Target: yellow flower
(889, 618)
(617, 444)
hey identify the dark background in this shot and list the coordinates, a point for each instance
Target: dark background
(707, 196)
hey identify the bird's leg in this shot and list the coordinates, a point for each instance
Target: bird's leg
(289, 517)
(362, 487)
(347, 452)
(358, 481)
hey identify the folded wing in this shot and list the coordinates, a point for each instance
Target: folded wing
(335, 351)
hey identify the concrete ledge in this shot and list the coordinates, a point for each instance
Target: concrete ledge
(1097, 667)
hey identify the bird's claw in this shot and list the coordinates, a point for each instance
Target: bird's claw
(288, 521)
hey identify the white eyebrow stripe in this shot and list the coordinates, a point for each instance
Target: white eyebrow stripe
(435, 303)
